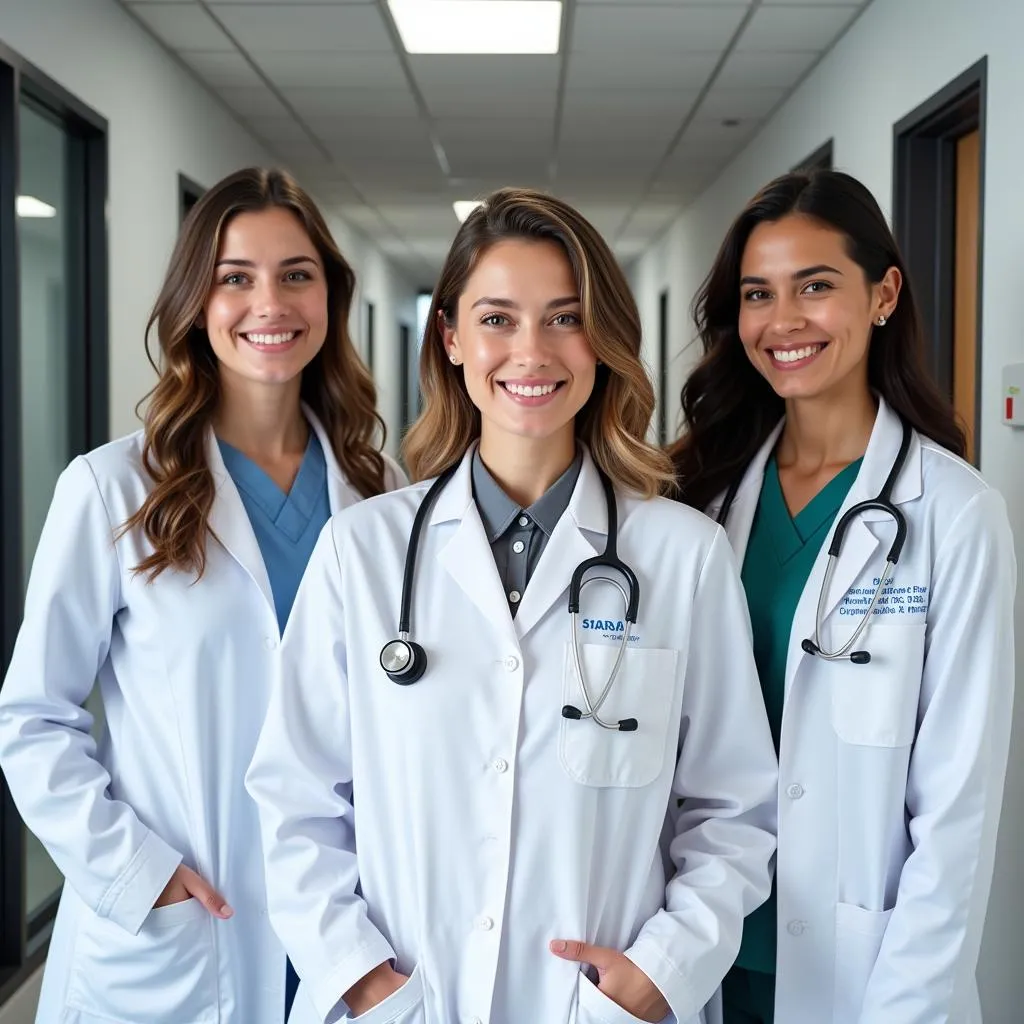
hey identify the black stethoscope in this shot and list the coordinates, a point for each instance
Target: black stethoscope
(404, 661)
(883, 503)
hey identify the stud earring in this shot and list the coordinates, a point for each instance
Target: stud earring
(881, 321)
(454, 358)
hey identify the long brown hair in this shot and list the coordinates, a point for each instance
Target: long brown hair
(613, 423)
(728, 407)
(336, 385)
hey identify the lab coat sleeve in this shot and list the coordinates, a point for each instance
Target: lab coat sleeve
(727, 776)
(114, 862)
(925, 970)
(301, 780)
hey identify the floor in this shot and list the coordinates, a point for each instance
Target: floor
(21, 1008)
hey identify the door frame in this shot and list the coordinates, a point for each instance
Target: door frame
(924, 214)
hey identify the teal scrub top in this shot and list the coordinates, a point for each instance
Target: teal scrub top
(779, 558)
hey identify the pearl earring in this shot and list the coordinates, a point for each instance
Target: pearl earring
(454, 358)
(881, 321)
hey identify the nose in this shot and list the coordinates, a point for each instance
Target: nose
(268, 300)
(788, 316)
(531, 347)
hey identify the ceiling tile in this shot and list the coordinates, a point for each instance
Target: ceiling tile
(495, 105)
(668, 104)
(301, 69)
(221, 69)
(435, 73)
(277, 130)
(789, 29)
(182, 27)
(739, 104)
(813, 3)
(752, 69)
(617, 129)
(253, 102)
(705, 131)
(635, 31)
(366, 130)
(383, 103)
(664, 70)
(347, 28)
(538, 129)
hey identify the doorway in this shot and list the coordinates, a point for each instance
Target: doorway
(938, 189)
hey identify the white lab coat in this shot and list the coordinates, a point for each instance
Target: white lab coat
(486, 823)
(891, 773)
(184, 672)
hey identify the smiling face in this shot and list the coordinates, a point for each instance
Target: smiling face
(807, 310)
(266, 313)
(518, 333)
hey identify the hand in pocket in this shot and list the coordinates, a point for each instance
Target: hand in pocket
(184, 885)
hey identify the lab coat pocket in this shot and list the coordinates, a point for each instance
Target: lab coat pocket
(859, 935)
(594, 1007)
(163, 975)
(875, 705)
(403, 1006)
(644, 689)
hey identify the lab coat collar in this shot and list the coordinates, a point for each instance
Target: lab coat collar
(340, 492)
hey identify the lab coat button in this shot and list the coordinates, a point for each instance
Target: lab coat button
(500, 765)
(796, 927)
(523, 521)
(514, 596)
(511, 663)
(795, 791)
(270, 642)
(485, 924)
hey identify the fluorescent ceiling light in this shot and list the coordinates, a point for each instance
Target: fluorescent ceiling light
(464, 207)
(29, 206)
(478, 26)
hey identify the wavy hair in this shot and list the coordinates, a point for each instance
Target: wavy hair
(729, 409)
(335, 384)
(614, 421)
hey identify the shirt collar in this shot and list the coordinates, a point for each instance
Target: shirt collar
(498, 510)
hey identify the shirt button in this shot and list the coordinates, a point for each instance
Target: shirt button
(270, 642)
(485, 924)
(523, 521)
(518, 547)
(511, 663)
(796, 927)
(500, 764)
(514, 596)
(795, 791)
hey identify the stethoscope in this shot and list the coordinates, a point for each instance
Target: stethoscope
(404, 661)
(883, 503)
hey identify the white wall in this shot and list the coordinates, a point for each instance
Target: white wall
(898, 54)
(161, 121)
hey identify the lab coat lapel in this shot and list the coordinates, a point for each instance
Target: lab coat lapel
(467, 556)
(230, 522)
(570, 543)
(340, 493)
(741, 517)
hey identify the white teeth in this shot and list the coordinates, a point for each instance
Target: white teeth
(530, 390)
(270, 339)
(793, 355)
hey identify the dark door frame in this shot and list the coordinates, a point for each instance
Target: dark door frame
(820, 159)
(189, 193)
(23, 941)
(663, 366)
(924, 213)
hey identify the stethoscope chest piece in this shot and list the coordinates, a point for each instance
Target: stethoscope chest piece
(404, 661)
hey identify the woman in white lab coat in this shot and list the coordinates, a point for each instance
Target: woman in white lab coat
(458, 847)
(892, 738)
(166, 584)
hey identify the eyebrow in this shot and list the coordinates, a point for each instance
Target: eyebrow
(290, 262)
(565, 300)
(800, 275)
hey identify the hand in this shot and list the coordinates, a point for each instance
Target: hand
(185, 884)
(619, 978)
(373, 988)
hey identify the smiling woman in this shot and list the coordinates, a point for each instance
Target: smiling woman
(167, 567)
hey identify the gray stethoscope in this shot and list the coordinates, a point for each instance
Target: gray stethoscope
(404, 661)
(883, 503)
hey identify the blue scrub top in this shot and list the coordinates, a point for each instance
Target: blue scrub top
(286, 525)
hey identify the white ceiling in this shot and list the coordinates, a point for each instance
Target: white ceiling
(642, 106)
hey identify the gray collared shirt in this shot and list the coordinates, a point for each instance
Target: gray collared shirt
(518, 536)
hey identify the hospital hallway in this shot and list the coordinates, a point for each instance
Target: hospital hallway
(657, 119)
